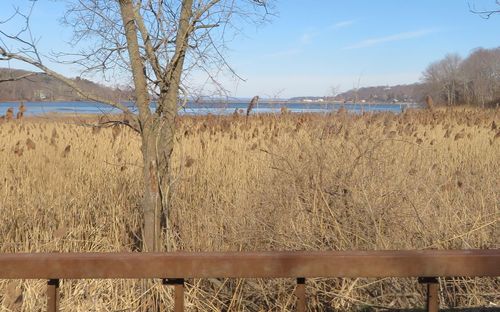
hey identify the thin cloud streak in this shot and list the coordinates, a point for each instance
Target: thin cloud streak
(396, 37)
(283, 53)
(305, 39)
(343, 24)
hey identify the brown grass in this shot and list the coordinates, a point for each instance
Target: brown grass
(289, 182)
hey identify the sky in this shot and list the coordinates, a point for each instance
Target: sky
(317, 47)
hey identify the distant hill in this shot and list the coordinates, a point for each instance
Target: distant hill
(41, 87)
(378, 94)
(400, 93)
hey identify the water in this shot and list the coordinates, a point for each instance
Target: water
(40, 108)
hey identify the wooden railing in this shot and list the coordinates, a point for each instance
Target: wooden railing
(174, 268)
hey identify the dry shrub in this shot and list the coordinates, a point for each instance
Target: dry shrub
(269, 182)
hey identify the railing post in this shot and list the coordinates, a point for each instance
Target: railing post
(178, 284)
(300, 293)
(53, 295)
(432, 302)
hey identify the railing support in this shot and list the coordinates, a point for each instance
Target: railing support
(53, 295)
(178, 284)
(300, 293)
(432, 302)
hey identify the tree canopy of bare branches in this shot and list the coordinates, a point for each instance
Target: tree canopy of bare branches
(474, 80)
(158, 45)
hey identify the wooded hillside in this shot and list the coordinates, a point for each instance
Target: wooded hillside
(40, 87)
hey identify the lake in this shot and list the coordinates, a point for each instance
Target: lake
(40, 108)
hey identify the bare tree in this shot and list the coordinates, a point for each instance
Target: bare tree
(474, 80)
(158, 44)
(442, 79)
(481, 72)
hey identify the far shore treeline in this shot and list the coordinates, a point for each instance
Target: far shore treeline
(474, 80)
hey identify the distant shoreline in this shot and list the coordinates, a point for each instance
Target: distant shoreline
(220, 102)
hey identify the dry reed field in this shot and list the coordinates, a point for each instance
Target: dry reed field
(420, 180)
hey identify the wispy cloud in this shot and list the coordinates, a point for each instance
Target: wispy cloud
(308, 36)
(342, 24)
(396, 37)
(283, 53)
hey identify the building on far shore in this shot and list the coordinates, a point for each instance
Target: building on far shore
(40, 95)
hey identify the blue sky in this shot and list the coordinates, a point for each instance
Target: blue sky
(312, 46)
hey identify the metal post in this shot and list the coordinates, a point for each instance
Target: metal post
(300, 292)
(53, 295)
(432, 303)
(178, 284)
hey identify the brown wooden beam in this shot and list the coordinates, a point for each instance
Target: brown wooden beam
(251, 264)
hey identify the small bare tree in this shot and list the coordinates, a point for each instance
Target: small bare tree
(157, 43)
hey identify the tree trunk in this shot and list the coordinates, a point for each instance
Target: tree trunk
(151, 203)
(147, 129)
(167, 115)
(157, 129)
(157, 146)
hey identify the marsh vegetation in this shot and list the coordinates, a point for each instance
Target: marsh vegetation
(418, 180)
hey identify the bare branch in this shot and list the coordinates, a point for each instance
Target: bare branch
(137, 65)
(147, 42)
(486, 14)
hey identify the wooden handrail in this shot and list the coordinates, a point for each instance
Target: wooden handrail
(250, 264)
(174, 267)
